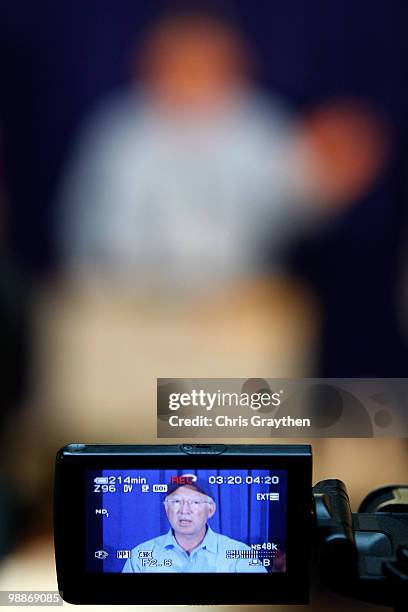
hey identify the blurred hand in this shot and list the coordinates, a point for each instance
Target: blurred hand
(346, 147)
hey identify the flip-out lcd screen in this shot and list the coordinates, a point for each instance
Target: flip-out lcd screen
(186, 520)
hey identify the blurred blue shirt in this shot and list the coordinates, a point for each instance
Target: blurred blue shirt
(211, 556)
(182, 202)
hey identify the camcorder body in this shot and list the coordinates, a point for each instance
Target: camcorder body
(242, 520)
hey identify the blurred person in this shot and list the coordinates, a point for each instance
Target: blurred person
(174, 193)
(188, 180)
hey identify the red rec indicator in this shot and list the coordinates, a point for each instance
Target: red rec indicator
(182, 480)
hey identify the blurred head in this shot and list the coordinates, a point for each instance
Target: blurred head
(193, 61)
(188, 510)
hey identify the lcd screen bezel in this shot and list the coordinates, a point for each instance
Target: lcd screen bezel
(79, 586)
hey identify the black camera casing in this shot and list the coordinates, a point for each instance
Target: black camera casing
(78, 586)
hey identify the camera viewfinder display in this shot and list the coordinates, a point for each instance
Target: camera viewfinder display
(186, 520)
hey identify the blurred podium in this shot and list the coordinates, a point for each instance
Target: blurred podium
(100, 351)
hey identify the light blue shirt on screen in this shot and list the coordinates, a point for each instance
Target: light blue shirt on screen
(216, 554)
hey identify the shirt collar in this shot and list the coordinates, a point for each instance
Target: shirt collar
(209, 542)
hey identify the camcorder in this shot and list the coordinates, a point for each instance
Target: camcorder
(243, 520)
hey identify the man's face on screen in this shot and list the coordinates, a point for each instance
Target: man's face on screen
(188, 510)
